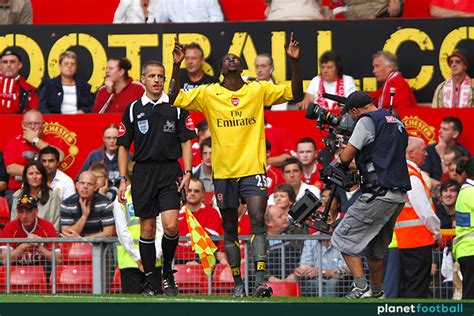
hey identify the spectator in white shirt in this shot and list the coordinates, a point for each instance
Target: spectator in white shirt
(57, 180)
(135, 11)
(188, 11)
(331, 79)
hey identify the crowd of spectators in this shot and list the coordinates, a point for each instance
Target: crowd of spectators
(184, 11)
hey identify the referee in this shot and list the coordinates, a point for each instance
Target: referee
(161, 134)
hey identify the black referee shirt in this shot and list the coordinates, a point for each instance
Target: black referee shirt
(157, 129)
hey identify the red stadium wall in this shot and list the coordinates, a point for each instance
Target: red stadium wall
(73, 11)
(82, 133)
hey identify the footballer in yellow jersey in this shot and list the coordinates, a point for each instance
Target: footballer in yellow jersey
(236, 123)
(234, 111)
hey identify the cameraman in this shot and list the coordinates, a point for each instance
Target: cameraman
(378, 143)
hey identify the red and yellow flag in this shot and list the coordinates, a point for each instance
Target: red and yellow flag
(202, 245)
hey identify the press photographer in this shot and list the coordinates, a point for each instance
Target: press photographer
(378, 144)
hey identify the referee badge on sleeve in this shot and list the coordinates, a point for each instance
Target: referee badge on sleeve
(143, 126)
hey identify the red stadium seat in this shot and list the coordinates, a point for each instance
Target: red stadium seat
(116, 285)
(191, 279)
(76, 252)
(73, 278)
(24, 279)
(285, 288)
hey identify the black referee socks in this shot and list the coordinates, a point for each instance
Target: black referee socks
(168, 244)
(148, 257)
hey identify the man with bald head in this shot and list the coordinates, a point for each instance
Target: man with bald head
(87, 213)
(417, 227)
(26, 146)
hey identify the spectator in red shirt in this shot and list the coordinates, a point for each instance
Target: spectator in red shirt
(203, 132)
(118, 89)
(386, 71)
(26, 146)
(207, 216)
(306, 153)
(16, 95)
(274, 175)
(29, 225)
(451, 8)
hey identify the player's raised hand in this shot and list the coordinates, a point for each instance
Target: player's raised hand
(178, 52)
(293, 48)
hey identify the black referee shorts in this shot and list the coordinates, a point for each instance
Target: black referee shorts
(154, 188)
(229, 191)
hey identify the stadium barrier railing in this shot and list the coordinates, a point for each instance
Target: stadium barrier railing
(89, 265)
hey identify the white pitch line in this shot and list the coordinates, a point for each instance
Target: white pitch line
(142, 299)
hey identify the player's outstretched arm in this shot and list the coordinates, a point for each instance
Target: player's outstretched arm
(293, 51)
(178, 56)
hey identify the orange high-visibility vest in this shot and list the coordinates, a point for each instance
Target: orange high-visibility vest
(409, 230)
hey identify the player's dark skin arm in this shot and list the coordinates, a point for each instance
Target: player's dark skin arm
(293, 51)
(178, 56)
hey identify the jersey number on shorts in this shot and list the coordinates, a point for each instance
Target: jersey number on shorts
(261, 181)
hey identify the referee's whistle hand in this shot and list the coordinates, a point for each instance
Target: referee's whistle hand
(184, 184)
(121, 192)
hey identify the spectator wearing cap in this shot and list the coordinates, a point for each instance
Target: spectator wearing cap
(16, 95)
(451, 8)
(119, 89)
(29, 225)
(67, 93)
(385, 69)
(15, 12)
(457, 90)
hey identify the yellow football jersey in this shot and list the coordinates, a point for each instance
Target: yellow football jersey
(236, 123)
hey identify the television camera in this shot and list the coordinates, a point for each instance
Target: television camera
(333, 174)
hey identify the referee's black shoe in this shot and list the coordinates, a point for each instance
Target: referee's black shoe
(170, 287)
(148, 289)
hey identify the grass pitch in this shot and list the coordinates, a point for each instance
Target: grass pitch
(123, 298)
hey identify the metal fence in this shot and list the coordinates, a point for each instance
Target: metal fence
(298, 265)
